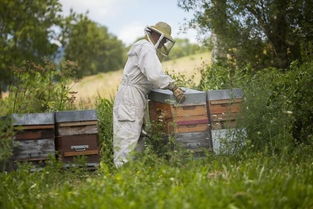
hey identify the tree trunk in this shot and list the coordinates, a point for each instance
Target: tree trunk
(218, 51)
(278, 35)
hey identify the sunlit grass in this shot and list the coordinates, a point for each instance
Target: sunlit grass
(106, 84)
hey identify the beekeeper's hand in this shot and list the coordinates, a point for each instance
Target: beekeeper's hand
(178, 92)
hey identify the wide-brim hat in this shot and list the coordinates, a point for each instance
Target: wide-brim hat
(163, 28)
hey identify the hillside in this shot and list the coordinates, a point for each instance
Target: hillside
(106, 84)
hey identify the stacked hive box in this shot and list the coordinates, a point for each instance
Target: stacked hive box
(77, 135)
(223, 108)
(34, 137)
(188, 122)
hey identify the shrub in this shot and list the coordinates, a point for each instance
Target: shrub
(38, 88)
(6, 134)
(105, 117)
(277, 109)
(300, 97)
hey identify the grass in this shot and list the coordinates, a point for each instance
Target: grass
(253, 181)
(105, 85)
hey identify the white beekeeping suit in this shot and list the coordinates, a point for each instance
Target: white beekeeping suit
(142, 72)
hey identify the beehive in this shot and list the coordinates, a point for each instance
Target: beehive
(187, 122)
(34, 136)
(77, 135)
(224, 108)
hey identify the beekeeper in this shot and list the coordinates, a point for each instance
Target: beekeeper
(142, 72)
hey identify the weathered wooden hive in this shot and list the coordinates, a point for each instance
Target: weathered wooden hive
(223, 107)
(187, 122)
(34, 136)
(77, 135)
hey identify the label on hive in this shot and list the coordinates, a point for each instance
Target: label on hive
(75, 116)
(193, 97)
(34, 134)
(76, 130)
(78, 145)
(194, 140)
(33, 119)
(33, 149)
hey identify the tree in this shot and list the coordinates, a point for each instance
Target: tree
(183, 47)
(26, 33)
(259, 32)
(91, 46)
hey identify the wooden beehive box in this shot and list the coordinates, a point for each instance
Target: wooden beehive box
(224, 108)
(77, 135)
(187, 122)
(34, 136)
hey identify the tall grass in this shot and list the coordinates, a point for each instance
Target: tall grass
(258, 181)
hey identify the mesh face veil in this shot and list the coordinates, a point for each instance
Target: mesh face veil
(163, 45)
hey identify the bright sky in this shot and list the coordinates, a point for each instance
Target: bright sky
(128, 18)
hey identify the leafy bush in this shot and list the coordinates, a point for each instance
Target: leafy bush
(105, 117)
(265, 112)
(39, 88)
(300, 97)
(217, 77)
(277, 109)
(182, 80)
(6, 134)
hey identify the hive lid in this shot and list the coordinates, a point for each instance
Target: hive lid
(225, 94)
(33, 119)
(193, 97)
(75, 116)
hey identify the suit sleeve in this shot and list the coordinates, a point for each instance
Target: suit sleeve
(151, 67)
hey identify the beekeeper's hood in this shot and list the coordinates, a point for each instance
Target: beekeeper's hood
(165, 42)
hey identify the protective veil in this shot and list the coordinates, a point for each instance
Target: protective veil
(142, 72)
(165, 43)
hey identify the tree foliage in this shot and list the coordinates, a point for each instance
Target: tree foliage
(26, 33)
(259, 32)
(36, 31)
(91, 46)
(183, 47)
(40, 88)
